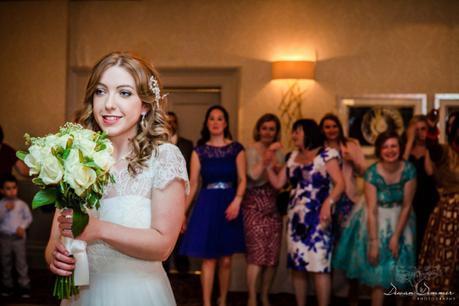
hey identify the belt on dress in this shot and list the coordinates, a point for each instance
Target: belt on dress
(219, 185)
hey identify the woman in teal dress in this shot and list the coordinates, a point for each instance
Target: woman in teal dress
(378, 247)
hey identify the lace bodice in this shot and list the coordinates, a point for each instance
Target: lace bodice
(127, 202)
(166, 164)
(218, 164)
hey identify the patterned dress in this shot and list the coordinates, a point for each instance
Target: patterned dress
(262, 221)
(209, 234)
(309, 244)
(439, 257)
(351, 252)
(341, 212)
(350, 196)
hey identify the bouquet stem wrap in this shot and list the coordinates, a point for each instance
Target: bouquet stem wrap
(66, 286)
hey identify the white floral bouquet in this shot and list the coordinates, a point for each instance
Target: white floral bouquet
(71, 168)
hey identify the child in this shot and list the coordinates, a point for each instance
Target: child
(15, 217)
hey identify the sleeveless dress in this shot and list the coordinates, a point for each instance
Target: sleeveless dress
(117, 279)
(209, 234)
(309, 245)
(351, 252)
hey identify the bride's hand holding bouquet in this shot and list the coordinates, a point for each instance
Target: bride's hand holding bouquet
(71, 168)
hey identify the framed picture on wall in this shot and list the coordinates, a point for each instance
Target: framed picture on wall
(365, 117)
(446, 103)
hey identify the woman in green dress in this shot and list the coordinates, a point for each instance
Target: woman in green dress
(378, 247)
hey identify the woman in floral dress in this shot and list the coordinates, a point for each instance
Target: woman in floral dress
(314, 173)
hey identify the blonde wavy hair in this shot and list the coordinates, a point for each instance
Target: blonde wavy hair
(154, 129)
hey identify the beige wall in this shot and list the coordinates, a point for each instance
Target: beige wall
(361, 47)
(33, 66)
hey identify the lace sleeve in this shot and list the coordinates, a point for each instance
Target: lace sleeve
(169, 165)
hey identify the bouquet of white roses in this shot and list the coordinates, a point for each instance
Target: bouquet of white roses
(71, 168)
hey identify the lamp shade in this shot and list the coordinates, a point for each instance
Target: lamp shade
(293, 70)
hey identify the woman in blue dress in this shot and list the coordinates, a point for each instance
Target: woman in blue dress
(378, 246)
(215, 228)
(314, 173)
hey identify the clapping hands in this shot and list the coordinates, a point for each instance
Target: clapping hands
(268, 157)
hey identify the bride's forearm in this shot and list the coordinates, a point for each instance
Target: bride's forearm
(157, 242)
(147, 244)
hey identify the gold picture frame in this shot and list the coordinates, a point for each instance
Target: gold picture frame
(354, 111)
(446, 103)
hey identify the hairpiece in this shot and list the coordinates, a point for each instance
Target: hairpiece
(154, 87)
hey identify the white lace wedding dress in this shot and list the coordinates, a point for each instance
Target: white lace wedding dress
(118, 279)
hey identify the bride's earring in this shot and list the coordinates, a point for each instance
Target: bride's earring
(142, 121)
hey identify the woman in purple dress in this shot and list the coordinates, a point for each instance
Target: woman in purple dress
(215, 229)
(352, 162)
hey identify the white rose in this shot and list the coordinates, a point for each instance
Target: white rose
(85, 144)
(103, 159)
(51, 140)
(51, 171)
(57, 141)
(76, 175)
(62, 141)
(72, 159)
(34, 159)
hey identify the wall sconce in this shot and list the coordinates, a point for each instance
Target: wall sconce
(293, 70)
(290, 105)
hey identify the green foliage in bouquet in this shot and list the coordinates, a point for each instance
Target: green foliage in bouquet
(71, 168)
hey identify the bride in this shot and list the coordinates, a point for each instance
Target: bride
(141, 213)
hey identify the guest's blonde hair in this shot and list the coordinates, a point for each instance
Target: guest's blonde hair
(154, 129)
